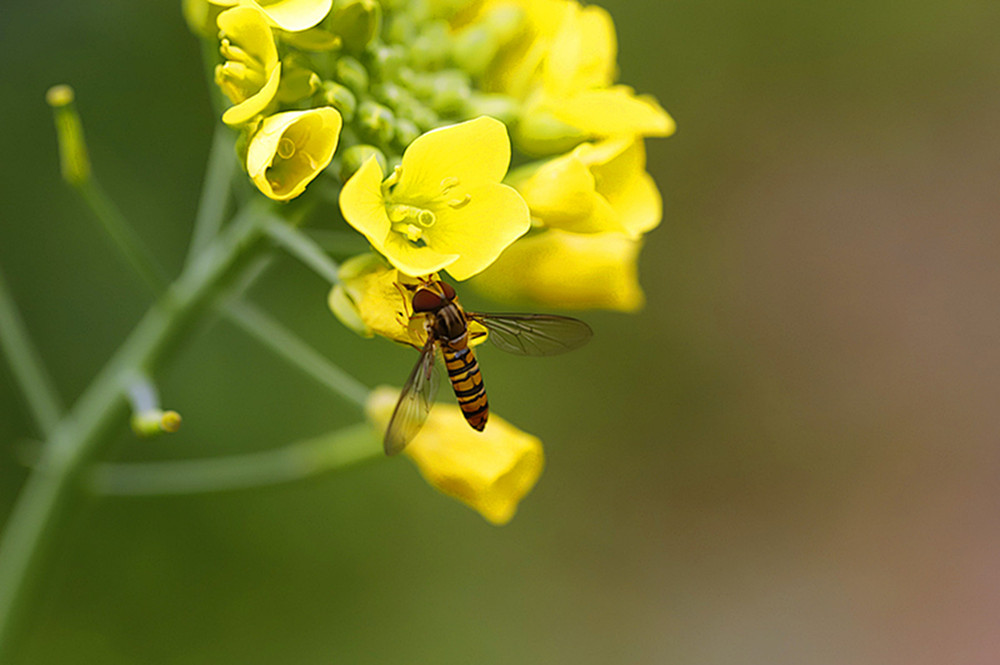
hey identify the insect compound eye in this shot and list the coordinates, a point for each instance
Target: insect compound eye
(447, 290)
(426, 301)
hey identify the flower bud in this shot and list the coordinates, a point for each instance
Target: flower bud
(353, 74)
(386, 60)
(376, 122)
(297, 80)
(355, 156)
(451, 91)
(541, 133)
(73, 159)
(356, 22)
(340, 98)
(431, 48)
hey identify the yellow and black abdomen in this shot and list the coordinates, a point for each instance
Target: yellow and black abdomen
(467, 382)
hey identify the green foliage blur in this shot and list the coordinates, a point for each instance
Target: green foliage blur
(790, 456)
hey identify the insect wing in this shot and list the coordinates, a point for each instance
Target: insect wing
(534, 334)
(415, 401)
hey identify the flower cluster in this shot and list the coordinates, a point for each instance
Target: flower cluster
(418, 109)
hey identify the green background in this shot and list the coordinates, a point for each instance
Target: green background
(789, 456)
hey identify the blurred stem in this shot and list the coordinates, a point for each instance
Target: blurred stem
(216, 190)
(297, 461)
(123, 235)
(26, 364)
(342, 244)
(305, 249)
(42, 507)
(286, 344)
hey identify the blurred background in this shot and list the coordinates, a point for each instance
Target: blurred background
(791, 455)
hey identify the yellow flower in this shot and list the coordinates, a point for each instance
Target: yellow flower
(444, 207)
(372, 298)
(490, 471)
(251, 73)
(559, 269)
(576, 90)
(597, 187)
(290, 149)
(291, 15)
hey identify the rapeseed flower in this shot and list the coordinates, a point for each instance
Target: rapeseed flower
(289, 149)
(444, 208)
(252, 72)
(490, 471)
(597, 187)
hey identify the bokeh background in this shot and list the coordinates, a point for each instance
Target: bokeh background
(790, 456)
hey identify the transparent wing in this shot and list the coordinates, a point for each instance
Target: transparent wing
(415, 401)
(534, 334)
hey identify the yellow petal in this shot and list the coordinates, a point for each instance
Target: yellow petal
(490, 471)
(478, 232)
(295, 15)
(627, 187)
(563, 194)
(560, 269)
(454, 157)
(290, 149)
(583, 52)
(251, 106)
(613, 111)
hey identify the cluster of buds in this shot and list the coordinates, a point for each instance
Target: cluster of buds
(416, 106)
(416, 111)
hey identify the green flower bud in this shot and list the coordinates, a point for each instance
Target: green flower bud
(541, 133)
(376, 122)
(386, 60)
(474, 49)
(73, 158)
(313, 39)
(503, 108)
(451, 92)
(406, 132)
(432, 47)
(353, 74)
(340, 98)
(354, 157)
(357, 22)
(297, 80)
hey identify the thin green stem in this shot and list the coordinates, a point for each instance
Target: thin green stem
(43, 504)
(216, 190)
(122, 234)
(26, 364)
(305, 249)
(297, 461)
(286, 344)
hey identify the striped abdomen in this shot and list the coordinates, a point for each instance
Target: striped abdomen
(467, 382)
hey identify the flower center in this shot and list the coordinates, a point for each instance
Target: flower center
(410, 221)
(286, 148)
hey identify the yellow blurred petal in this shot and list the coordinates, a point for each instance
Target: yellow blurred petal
(290, 149)
(478, 232)
(619, 166)
(457, 156)
(295, 15)
(613, 111)
(563, 194)
(490, 471)
(560, 269)
(583, 52)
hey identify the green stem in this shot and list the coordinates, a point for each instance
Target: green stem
(305, 249)
(215, 193)
(124, 237)
(290, 347)
(297, 461)
(43, 504)
(29, 371)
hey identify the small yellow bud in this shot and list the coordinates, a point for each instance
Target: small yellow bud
(154, 421)
(73, 158)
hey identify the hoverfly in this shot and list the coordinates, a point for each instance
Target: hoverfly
(447, 326)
